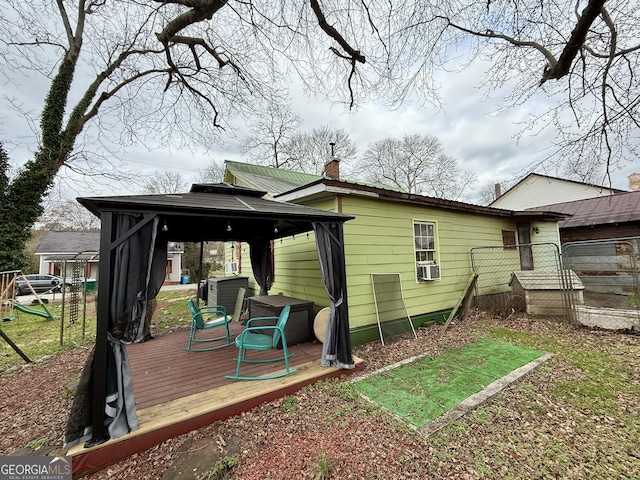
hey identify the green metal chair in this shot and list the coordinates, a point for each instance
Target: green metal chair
(253, 338)
(207, 318)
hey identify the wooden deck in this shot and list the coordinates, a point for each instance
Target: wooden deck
(162, 371)
(178, 391)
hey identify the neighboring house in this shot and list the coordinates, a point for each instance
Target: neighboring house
(536, 190)
(58, 249)
(601, 241)
(393, 232)
(601, 218)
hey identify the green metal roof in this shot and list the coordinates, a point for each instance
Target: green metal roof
(278, 180)
(273, 180)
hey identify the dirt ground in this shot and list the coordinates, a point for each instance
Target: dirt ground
(310, 434)
(607, 300)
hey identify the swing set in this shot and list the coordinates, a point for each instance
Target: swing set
(8, 304)
(73, 307)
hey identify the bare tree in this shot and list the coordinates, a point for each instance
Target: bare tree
(213, 172)
(581, 54)
(309, 151)
(416, 164)
(69, 215)
(161, 72)
(166, 182)
(271, 129)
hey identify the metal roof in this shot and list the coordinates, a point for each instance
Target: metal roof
(277, 181)
(611, 209)
(273, 180)
(218, 212)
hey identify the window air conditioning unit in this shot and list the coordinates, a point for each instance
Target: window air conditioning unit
(429, 272)
(231, 267)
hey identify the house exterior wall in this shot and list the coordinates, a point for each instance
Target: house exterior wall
(536, 191)
(545, 232)
(47, 267)
(380, 240)
(175, 263)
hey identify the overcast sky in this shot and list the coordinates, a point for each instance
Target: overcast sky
(468, 126)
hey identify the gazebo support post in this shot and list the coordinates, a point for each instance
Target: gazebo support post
(98, 434)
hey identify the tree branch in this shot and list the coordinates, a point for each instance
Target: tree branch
(81, 113)
(201, 10)
(65, 21)
(561, 68)
(333, 33)
(513, 41)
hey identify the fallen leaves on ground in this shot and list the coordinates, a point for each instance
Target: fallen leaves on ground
(327, 429)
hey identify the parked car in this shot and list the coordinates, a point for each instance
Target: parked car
(40, 283)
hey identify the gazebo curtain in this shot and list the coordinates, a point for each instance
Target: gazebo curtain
(260, 252)
(336, 349)
(138, 273)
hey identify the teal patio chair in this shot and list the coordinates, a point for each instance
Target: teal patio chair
(255, 338)
(207, 318)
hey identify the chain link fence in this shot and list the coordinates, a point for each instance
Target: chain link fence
(524, 278)
(608, 269)
(592, 283)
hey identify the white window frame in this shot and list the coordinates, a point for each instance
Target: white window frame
(429, 255)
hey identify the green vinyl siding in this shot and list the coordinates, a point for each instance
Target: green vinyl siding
(380, 239)
(297, 268)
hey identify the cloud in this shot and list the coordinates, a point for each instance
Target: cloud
(487, 140)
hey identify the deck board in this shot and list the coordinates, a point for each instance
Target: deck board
(178, 391)
(162, 371)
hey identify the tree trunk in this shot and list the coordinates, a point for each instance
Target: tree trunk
(22, 196)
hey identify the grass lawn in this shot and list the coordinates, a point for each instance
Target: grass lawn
(40, 337)
(576, 416)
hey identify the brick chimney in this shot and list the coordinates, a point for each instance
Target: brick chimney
(332, 167)
(634, 181)
(498, 190)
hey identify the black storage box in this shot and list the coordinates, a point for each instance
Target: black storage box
(299, 328)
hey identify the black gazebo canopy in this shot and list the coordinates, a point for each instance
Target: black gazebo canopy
(219, 212)
(133, 241)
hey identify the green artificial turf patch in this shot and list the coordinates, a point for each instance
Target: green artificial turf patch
(427, 388)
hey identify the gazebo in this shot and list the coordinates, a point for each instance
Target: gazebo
(133, 241)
